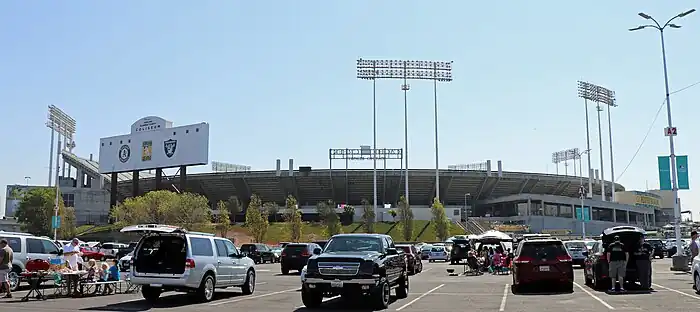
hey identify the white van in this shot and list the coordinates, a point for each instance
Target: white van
(170, 258)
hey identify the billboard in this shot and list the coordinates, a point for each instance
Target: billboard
(155, 143)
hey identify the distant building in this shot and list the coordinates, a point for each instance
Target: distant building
(13, 196)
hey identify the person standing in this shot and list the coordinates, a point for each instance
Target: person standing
(693, 245)
(71, 253)
(642, 258)
(6, 257)
(617, 263)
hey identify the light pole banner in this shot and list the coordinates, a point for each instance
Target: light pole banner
(665, 173)
(583, 214)
(682, 170)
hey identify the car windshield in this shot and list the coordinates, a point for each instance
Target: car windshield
(337, 244)
(437, 249)
(575, 245)
(426, 248)
(246, 247)
(406, 249)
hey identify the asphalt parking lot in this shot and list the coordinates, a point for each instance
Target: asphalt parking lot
(431, 290)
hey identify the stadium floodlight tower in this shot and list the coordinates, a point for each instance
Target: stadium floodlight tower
(406, 70)
(599, 95)
(59, 122)
(363, 153)
(679, 261)
(564, 156)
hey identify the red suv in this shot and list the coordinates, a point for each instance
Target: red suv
(542, 261)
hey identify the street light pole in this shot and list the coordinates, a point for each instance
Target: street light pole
(679, 261)
(600, 145)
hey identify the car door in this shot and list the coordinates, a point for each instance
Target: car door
(393, 261)
(239, 264)
(224, 264)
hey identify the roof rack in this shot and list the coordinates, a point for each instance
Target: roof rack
(201, 233)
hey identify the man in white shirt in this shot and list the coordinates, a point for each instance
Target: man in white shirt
(71, 253)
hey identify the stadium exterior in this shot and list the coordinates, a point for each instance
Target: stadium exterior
(542, 201)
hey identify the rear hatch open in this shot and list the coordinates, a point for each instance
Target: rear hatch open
(161, 252)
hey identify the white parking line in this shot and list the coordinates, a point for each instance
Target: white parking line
(595, 297)
(253, 297)
(419, 297)
(263, 270)
(426, 270)
(677, 291)
(324, 300)
(503, 300)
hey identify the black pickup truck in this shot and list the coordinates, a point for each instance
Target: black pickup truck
(353, 266)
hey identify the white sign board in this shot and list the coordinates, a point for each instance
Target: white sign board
(154, 143)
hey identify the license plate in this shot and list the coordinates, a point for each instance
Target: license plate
(544, 268)
(293, 256)
(336, 284)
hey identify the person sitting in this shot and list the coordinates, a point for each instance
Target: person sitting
(91, 270)
(473, 262)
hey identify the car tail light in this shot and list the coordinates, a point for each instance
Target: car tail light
(603, 257)
(283, 255)
(305, 253)
(564, 258)
(189, 264)
(522, 260)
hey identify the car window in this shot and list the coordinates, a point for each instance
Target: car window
(49, 247)
(221, 248)
(391, 242)
(230, 248)
(543, 250)
(437, 249)
(107, 246)
(405, 249)
(262, 247)
(201, 247)
(575, 245)
(14, 243)
(35, 246)
(247, 247)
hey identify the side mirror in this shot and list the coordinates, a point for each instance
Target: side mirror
(585, 253)
(317, 251)
(392, 251)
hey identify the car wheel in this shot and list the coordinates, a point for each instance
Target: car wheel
(515, 289)
(402, 289)
(569, 288)
(151, 294)
(285, 271)
(696, 284)
(381, 295)
(13, 279)
(205, 293)
(588, 280)
(311, 298)
(249, 286)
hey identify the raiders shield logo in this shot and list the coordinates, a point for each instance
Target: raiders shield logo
(124, 153)
(169, 146)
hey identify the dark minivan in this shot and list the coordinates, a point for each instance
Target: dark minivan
(542, 261)
(295, 255)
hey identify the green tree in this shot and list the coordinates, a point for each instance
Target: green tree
(255, 219)
(293, 217)
(393, 214)
(273, 210)
(440, 221)
(223, 222)
(405, 215)
(348, 215)
(187, 210)
(234, 207)
(329, 217)
(37, 207)
(368, 216)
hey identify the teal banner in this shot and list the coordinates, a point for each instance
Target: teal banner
(682, 172)
(583, 214)
(55, 222)
(665, 173)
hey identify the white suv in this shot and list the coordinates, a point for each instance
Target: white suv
(27, 247)
(169, 258)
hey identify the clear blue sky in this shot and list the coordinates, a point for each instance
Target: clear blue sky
(276, 79)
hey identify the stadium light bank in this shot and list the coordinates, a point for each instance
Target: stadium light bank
(405, 70)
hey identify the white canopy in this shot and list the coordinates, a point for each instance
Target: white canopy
(492, 234)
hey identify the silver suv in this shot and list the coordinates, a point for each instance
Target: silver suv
(169, 258)
(27, 247)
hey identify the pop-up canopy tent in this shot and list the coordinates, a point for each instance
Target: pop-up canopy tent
(493, 236)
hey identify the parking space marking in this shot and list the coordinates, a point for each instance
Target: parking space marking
(253, 297)
(322, 301)
(595, 297)
(426, 270)
(503, 300)
(263, 270)
(677, 291)
(419, 297)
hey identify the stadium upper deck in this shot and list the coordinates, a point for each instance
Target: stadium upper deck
(351, 186)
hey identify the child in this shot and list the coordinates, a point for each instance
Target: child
(104, 272)
(113, 271)
(91, 270)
